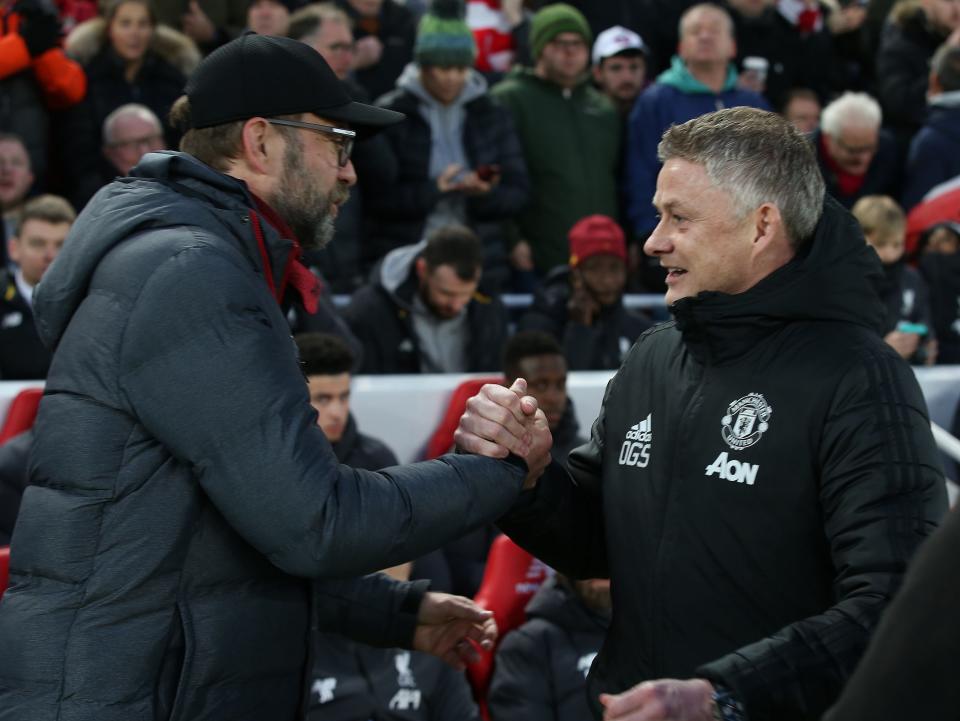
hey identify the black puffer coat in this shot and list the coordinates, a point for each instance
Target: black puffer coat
(181, 491)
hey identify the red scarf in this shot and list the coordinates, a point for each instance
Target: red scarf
(848, 183)
(295, 272)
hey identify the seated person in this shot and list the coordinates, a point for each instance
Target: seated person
(908, 327)
(536, 356)
(44, 225)
(327, 362)
(422, 313)
(351, 681)
(541, 667)
(581, 304)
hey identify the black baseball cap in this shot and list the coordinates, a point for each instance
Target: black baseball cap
(263, 75)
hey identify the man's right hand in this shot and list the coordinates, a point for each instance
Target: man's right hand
(499, 421)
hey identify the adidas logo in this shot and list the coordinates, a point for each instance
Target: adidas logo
(635, 450)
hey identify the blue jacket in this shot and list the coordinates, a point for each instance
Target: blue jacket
(675, 98)
(935, 151)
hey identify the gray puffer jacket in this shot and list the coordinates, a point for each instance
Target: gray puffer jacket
(182, 490)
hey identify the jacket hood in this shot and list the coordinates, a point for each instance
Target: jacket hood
(90, 37)
(558, 604)
(409, 80)
(678, 76)
(166, 189)
(833, 278)
(395, 270)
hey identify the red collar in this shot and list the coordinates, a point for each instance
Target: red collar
(294, 272)
(848, 183)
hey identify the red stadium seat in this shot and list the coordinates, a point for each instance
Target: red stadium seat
(21, 414)
(4, 568)
(510, 579)
(442, 439)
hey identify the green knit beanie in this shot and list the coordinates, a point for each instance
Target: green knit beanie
(443, 37)
(552, 20)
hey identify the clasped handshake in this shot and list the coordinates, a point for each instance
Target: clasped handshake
(499, 421)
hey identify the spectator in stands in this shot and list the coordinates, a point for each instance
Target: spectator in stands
(536, 357)
(620, 66)
(16, 179)
(209, 23)
(385, 31)
(856, 157)
(501, 29)
(941, 239)
(327, 363)
(44, 224)
(423, 312)
(940, 267)
(351, 681)
(914, 31)
(701, 78)
(802, 108)
(556, 110)
(127, 58)
(795, 41)
(129, 132)
(581, 304)
(762, 616)
(541, 667)
(14, 477)
(458, 154)
(935, 151)
(327, 29)
(908, 323)
(178, 471)
(270, 17)
(36, 77)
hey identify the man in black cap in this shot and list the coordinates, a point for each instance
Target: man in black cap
(182, 493)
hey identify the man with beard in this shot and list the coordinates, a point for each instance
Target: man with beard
(620, 66)
(423, 312)
(182, 496)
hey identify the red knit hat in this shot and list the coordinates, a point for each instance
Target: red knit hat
(596, 235)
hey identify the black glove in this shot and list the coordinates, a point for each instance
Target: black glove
(39, 26)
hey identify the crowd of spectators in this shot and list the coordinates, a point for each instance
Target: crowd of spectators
(527, 164)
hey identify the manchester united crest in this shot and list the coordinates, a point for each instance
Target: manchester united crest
(747, 419)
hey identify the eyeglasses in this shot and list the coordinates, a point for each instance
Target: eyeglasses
(345, 138)
(855, 149)
(145, 141)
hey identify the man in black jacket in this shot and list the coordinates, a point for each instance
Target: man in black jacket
(424, 314)
(182, 497)
(762, 468)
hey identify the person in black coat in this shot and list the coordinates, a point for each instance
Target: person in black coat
(934, 156)
(423, 313)
(541, 667)
(911, 35)
(458, 154)
(581, 304)
(385, 32)
(128, 58)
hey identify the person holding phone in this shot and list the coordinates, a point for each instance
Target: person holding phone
(458, 155)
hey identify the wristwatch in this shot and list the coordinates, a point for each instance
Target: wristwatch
(725, 705)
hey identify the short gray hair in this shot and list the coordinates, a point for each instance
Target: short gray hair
(757, 157)
(141, 111)
(850, 110)
(707, 6)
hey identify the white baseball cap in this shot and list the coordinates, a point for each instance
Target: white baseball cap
(616, 40)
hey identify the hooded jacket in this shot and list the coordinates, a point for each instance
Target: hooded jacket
(541, 667)
(934, 156)
(571, 142)
(674, 98)
(600, 346)
(181, 491)
(942, 274)
(472, 131)
(381, 316)
(759, 475)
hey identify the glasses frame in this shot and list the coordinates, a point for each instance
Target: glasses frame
(346, 137)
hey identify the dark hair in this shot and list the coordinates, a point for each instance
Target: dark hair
(109, 10)
(946, 67)
(324, 354)
(456, 246)
(526, 344)
(798, 94)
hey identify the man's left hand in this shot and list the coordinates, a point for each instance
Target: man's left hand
(662, 700)
(447, 624)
